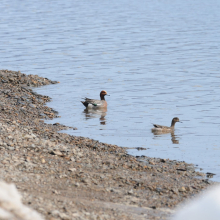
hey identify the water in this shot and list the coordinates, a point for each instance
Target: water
(157, 60)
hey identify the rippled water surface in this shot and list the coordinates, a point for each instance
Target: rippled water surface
(157, 60)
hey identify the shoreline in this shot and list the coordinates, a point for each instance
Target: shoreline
(69, 177)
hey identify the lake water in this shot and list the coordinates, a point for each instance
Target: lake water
(157, 60)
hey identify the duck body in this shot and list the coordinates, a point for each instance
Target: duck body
(95, 103)
(161, 128)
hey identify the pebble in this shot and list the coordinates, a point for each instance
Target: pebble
(64, 216)
(130, 192)
(77, 184)
(4, 161)
(72, 159)
(175, 191)
(182, 189)
(56, 152)
(72, 169)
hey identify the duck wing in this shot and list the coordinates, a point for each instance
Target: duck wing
(93, 102)
(158, 126)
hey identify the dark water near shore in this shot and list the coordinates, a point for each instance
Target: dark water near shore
(157, 60)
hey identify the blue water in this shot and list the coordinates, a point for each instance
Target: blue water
(156, 59)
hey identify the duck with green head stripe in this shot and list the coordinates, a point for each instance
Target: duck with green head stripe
(94, 103)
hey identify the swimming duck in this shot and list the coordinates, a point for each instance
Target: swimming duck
(161, 128)
(94, 103)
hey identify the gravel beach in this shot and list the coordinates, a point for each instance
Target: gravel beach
(68, 177)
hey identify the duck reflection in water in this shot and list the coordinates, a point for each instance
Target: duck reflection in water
(174, 138)
(94, 113)
(160, 129)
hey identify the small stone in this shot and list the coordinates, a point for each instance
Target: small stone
(28, 136)
(189, 188)
(151, 162)
(76, 215)
(158, 189)
(72, 159)
(175, 191)
(25, 179)
(86, 181)
(64, 216)
(182, 189)
(63, 176)
(55, 213)
(55, 192)
(130, 192)
(43, 160)
(72, 169)
(56, 152)
(28, 159)
(4, 161)
(41, 209)
(77, 184)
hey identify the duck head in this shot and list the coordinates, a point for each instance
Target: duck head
(103, 93)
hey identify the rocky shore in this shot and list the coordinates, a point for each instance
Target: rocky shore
(68, 177)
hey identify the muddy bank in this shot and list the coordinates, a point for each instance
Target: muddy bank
(68, 177)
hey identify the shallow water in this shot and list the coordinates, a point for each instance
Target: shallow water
(156, 59)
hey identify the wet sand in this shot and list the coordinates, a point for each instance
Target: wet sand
(68, 177)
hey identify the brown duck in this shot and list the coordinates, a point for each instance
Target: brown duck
(161, 128)
(94, 103)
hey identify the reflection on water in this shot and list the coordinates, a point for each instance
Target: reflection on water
(95, 113)
(174, 138)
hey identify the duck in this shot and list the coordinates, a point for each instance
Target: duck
(161, 128)
(94, 103)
